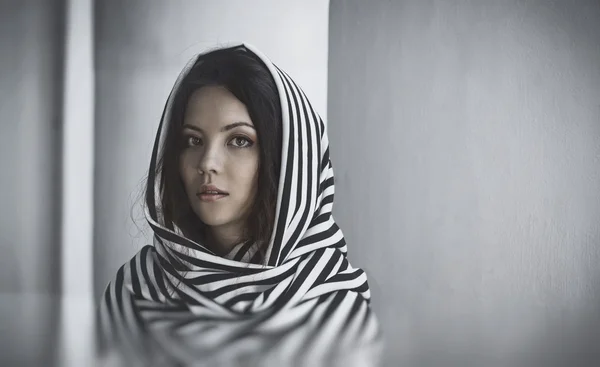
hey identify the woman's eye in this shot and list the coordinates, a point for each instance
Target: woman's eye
(193, 141)
(241, 142)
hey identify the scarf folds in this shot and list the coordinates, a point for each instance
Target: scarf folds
(177, 303)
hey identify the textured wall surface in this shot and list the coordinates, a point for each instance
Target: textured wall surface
(140, 48)
(31, 70)
(465, 138)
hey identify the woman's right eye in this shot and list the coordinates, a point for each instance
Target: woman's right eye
(193, 141)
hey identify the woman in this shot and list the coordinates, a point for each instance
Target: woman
(248, 265)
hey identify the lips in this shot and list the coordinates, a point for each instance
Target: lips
(210, 193)
(210, 197)
(211, 189)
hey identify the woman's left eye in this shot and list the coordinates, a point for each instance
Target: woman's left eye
(241, 142)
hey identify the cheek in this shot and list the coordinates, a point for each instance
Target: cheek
(252, 169)
(186, 171)
(246, 172)
(254, 178)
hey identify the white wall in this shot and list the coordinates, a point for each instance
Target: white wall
(78, 151)
(465, 138)
(140, 48)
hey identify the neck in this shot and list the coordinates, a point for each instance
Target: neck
(224, 238)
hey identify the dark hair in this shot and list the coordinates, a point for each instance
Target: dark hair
(244, 75)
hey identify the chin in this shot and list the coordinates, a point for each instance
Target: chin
(213, 222)
(213, 219)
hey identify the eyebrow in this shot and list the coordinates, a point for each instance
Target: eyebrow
(223, 129)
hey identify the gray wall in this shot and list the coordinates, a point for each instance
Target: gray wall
(140, 48)
(31, 70)
(465, 139)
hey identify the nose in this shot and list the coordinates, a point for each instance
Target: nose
(210, 161)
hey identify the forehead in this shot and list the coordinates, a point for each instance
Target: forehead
(215, 105)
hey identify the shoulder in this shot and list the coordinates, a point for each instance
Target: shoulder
(134, 274)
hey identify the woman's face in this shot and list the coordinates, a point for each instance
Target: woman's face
(220, 152)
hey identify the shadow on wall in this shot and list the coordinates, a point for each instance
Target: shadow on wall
(31, 88)
(569, 339)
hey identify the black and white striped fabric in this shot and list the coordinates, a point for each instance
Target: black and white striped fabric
(306, 305)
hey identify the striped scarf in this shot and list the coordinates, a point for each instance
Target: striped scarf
(176, 303)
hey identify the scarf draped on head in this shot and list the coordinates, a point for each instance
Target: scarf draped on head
(305, 305)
